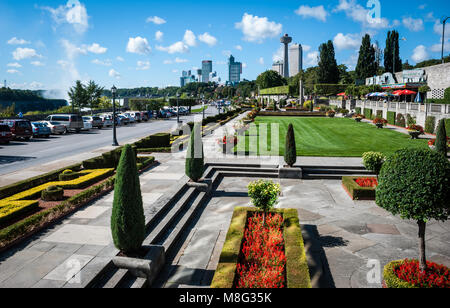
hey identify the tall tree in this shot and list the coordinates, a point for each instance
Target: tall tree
(94, 93)
(328, 68)
(392, 46)
(270, 79)
(78, 96)
(367, 66)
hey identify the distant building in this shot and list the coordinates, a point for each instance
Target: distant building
(295, 59)
(206, 70)
(278, 67)
(186, 78)
(234, 71)
(214, 78)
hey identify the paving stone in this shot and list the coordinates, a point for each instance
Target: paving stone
(187, 276)
(91, 212)
(88, 272)
(16, 262)
(440, 259)
(71, 267)
(305, 215)
(383, 229)
(48, 284)
(90, 250)
(83, 235)
(353, 242)
(164, 176)
(388, 240)
(198, 253)
(327, 229)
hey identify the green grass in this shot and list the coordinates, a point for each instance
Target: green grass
(327, 137)
(199, 109)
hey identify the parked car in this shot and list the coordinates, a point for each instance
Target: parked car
(87, 125)
(123, 120)
(56, 127)
(164, 114)
(146, 115)
(95, 121)
(5, 134)
(136, 115)
(20, 129)
(72, 122)
(106, 120)
(40, 130)
(129, 117)
(184, 110)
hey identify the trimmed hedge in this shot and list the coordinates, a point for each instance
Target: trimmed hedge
(154, 141)
(291, 114)
(400, 120)
(357, 192)
(447, 127)
(107, 160)
(69, 176)
(358, 110)
(430, 125)
(391, 117)
(52, 193)
(282, 90)
(297, 271)
(156, 150)
(368, 113)
(144, 162)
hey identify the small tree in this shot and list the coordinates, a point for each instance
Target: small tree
(290, 155)
(264, 195)
(195, 165)
(373, 161)
(415, 183)
(441, 139)
(128, 220)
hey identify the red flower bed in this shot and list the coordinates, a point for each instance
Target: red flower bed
(433, 141)
(436, 276)
(263, 261)
(367, 182)
(416, 128)
(228, 139)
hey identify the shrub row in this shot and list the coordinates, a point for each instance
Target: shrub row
(155, 150)
(357, 192)
(144, 162)
(291, 114)
(368, 113)
(391, 117)
(154, 141)
(107, 160)
(430, 125)
(9, 212)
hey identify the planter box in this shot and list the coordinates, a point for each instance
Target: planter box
(297, 271)
(291, 173)
(357, 192)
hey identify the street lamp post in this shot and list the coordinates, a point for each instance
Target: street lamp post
(178, 107)
(113, 91)
(444, 20)
(203, 105)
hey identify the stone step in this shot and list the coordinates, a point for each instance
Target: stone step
(337, 171)
(118, 278)
(247, 169)
(244, 174)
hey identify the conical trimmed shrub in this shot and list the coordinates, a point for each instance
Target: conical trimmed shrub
(195, 165)
(441, 139)
(128, 220)
(290, 155)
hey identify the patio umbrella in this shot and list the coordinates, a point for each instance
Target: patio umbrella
(418, 98)
(341, 94)
(406, 92)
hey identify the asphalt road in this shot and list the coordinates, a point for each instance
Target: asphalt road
(19, 155)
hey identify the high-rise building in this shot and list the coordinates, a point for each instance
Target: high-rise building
(278, 67)
(234, 70)
(186, 78)
(295, 59)
(206, 70)
(286, 40)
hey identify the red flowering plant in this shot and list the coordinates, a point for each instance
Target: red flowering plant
(416, 128)
(263, 260)
(380, 121)
(433, 141)
(367, 182)
(228, 140)
(435, 276)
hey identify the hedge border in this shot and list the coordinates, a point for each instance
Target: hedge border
(357, 192)
(391, 117)
(296, 263)
(391, 280)
(291, 114)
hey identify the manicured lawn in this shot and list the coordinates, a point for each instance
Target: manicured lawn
(329, 137)
(199, 109)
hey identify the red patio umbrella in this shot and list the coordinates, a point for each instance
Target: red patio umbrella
(341, 94)
(406, 92)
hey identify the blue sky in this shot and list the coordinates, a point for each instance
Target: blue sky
(49, 44)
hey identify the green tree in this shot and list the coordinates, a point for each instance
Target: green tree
(94, 93)
(270, 79)
(328, 72)
(290, 155)
(195, 165)
(392, 46)
(367, 66)
(127, 219)
(415, 184)
(79, 96)
(345, 77)
(441, 138)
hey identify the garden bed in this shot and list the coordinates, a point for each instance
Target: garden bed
(358, 192)
(296, 274)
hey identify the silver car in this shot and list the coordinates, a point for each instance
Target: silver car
(56, 127)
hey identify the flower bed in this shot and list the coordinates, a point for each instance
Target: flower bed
(235, 250)
(406, 274)
(364, 190)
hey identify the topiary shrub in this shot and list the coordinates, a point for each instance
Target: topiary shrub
(195, 165)
(68, 175)
(290, 155)
(400, 120)
(441, 139)
(415, 184)
(264, 194)
(410, 120)
(373, 161)
(127, 219)
(52, 193)
(430, 125)
(391, 117)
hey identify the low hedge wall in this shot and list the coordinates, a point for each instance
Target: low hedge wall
(391, 117)
(357, 192)
(291, 114)
(144, 162)
(15, 188)
(391, 280)
(154, 141)
(297, 271)
(107, 160)
(156, 150)
(368, 113)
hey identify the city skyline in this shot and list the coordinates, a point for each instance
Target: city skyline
(48, 46)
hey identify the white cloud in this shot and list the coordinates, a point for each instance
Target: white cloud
(37, 63)
(207, 39)
(317, 12)
(12, 71)
(226, 53)
(257, 29)
(143, 65)
(347, 41)
(178, 47)
(244, 65)
(306, 48)
(412, 24)
(120, 59)
(159, 35)
(238, 47)
(362, 15)
(178, 60)
(69, 67)
(189, 38)
(16, 41)
(420, 54)
(168, 62)
(113, 73)
(72, 51)
(438, 47)
(312, 58)
(422, 6)
(16, 65)
(102, 63)
(278, 55)
(97, 49)
(73, 13)
(138, 45)
(438, 28)
(156, 20)
(25, 86)
(25, 53)
(261, 61)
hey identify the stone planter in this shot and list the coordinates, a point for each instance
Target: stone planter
(415, 134)
(290, 173)
(380, 125)
(358, 120)
(202, 186)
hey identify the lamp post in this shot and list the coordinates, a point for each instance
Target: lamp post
(178, 107)
(444, 20)
(203, 105)
(114, 91)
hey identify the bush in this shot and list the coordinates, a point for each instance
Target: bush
(410, 120)
(380, 114)
(430, 125)
(391, 117)
(264, 194)
(290, 155)
(358, 110)
(400, 120)
(53, 193)
(368, 113)
(447, 127)
(373, 161)
(415, 184)
(195, 165)
(441, 139)
(127, 219)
